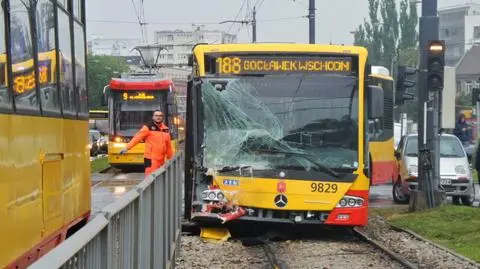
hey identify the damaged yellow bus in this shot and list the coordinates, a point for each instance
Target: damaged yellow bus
(277, 133)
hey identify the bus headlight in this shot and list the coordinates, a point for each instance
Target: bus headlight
(350, 201)
(213, 195)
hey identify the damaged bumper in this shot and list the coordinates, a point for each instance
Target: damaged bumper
(338, 216)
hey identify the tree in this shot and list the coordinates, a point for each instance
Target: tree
(408, 56)
(408, 25)
(100, 70)
(386, 37)
(463, 99)
(360, 37)
(394, 35)
(370, 34)
(388, 11)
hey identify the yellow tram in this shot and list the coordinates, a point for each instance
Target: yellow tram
(44, 156)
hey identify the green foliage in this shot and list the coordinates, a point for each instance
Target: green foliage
(408, 24)
(370, 34)
(393, 35)
(463, 100)
(456, 227)
(99, 164)
(389, 31)
(100, 70)
(408, 56)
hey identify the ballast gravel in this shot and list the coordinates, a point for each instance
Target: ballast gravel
(418, 252)
(197, 253)
(326, 253)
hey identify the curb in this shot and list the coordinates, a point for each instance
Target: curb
(419, 237)
(104, 169)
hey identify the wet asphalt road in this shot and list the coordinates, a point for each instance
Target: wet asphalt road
(108, 187)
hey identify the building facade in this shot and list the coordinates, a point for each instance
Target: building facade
(460, 28)
(468, 71)
(179, 44)
(112, 47)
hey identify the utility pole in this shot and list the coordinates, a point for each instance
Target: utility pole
(428, 194)
(311, 21)
(254, 26)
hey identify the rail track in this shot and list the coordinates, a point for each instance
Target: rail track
(400, 259)
(277, 249)
(276, 261)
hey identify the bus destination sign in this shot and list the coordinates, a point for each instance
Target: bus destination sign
(259, 64)
(137, 96)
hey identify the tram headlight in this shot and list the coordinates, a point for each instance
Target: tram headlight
(350, 201)
(211, 195)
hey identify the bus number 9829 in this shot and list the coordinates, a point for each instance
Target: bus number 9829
(324, 187)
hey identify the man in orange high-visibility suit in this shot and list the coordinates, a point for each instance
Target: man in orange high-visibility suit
(158, 143)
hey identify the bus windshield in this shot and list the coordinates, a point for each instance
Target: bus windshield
(130, 115)
(293, 121)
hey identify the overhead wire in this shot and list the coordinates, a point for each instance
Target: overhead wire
(140, 14)
(236, 16)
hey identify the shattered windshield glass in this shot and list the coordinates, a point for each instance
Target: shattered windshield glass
(132, 114)
(295, 121)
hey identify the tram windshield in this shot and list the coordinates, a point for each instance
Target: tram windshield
(131, 113)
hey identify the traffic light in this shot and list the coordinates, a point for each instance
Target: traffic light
(403, 84)
(436, 64)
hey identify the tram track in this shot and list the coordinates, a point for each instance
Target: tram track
(297, 248)
(405, 262)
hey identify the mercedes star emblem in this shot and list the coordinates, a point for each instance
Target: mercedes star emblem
(280, 200)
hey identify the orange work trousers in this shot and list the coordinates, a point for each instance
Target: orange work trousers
(151, 165)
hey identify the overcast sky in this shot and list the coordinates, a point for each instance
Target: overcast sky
(277, 20)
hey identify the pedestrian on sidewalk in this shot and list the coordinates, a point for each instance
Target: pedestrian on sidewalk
(158, 143)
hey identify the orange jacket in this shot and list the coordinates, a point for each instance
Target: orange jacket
(158, 143)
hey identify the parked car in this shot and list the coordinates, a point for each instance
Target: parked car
(455, 175)
(93, 146)
(102, 142)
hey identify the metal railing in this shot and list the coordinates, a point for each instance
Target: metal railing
(140, 230)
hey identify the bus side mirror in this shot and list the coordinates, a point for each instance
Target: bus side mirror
(374, 102)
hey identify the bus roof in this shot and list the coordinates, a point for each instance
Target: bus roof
(277, 47)
(140, 84)
(380, 72)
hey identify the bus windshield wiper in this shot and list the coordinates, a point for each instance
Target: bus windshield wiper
(320, 166)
